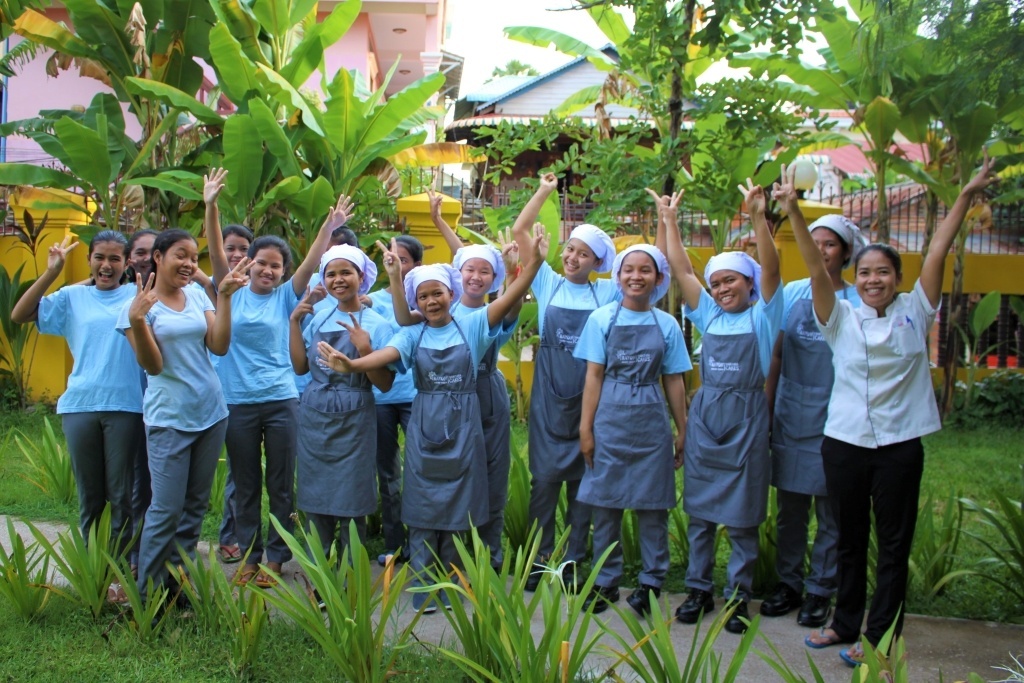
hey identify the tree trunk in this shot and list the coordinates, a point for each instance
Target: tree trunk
(882, 214)
(931, 216)
(675, 101)
(955, 313)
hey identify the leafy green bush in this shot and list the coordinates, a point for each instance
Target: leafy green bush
(1005, 566)
(49, 464)
(999, 398)
(24, 576)
(933, 557)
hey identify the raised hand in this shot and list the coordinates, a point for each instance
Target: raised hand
(539, 243)
(509, 249)
(145, 298)
(59, 254)
(303, 308)
(784, 192)
(236, 278)
(333, 359)
(668, 206)
(317, 294)
(435, 204)
(549, 181)
(360, 338)
(213, 184)
(983, 178)
(392, 263)
(339, 213)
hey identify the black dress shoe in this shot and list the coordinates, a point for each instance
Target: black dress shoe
(641, 598)
(600, 597)
(783, 601)
(696, 602)
(814, 611)
(738, 621)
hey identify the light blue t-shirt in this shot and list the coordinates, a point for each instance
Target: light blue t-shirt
(257, 367)
(375, 325)
(473, 327)
(501, 332)
(801, 289)
(105, 376)
(403, 390)
(571, 296)
(767, 319)
(186, 395)
(592, 346)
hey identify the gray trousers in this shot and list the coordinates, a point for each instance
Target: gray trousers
(333, 529)
(791, 532)
(102, 446)
(652, 528)
(181, 465)
(142, 494)
(226, 535)
(431, 547)
(739, 572)
(253, 429)
(389, 470)
(544, 503)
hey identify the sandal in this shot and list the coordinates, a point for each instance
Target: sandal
(116, 595)
(229, 554)
(853, 657)
(246, 574)
(265, 579)
(824, 637)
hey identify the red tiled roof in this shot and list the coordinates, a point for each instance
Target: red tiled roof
(851, 160)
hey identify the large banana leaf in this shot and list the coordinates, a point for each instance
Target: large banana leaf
(389, 118)
(168, 183)
(284, 189)
(243, 158)
(436, 154)
(544, 37)
(273, 136)
(611, 23)
(343, 115)
(581, 99)
(236, 73)
(240, 22)
(311, 202)
(308, 55)
(173, 98)
(41, 29)
(104, 30)
(86, 154)
(973, 128)
(286, 94)
(881, 117)
(36, 176)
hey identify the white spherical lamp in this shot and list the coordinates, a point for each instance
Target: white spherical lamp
(805, 174)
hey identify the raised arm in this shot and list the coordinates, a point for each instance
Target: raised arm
(450, 238)
(382, 378)
(767, 254)
(339, 362)
(393, 267)
(823, 292)
(678, 259)
(510, 255)
(140, 334)
(336, 218)
(771, 384)
(204, 281)
(27, 308)
(934, 266)
(296, 344)
(218, 330)
(517, 289)
(212, 186)
(675, 394)
(523, 227)
(591, 397)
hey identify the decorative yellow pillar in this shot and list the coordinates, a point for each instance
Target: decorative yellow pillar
(791, 264)
(415, 211)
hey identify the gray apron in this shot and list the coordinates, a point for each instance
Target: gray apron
(556, 400)
(496, 419)
(801, 404)
(726, 460)
(337, 452)
(444, 482)
(633, 467)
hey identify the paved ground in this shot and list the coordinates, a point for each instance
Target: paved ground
(951, 648)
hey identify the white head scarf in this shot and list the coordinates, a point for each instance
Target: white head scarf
(739, 261)
(659, 260)
(848, 232)
(487, 253)
(441, 272)
(357, 258)
(599, 242)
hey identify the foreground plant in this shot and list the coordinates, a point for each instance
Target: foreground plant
(49, 464)
(1007, 559)
(146, 619)
(491, 615)
(934, 553)
(24, 576)
(359, 611)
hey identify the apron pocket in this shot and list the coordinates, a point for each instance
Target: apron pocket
(800, 412)
(448, 467)
(725, 452)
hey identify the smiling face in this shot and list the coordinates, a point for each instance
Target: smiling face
(107, 264)
(477, 278)
(434, 300)
(833, 250)
(877, 279)
(266, 270)
(139, 257)
(235, 248)
(731, 290)
(342, 280)
(176, 266)
(638, 277)
(578, 261)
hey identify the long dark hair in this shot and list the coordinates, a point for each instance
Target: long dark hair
(115, 237)
(164, 241)
(412, 245)
(272, 242)
(129, 272)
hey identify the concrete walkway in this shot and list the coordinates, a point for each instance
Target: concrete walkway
(951, 648)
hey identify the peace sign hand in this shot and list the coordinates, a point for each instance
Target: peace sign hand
(333, 359)
(236, 278)
(435, 204)
(754, 197)
(213, 184)
(304, 307)
(145, 299)
(392, 264)
(339, 213)
(59, 254)
(539, 243)
(985, 177)
(360, 338)
(784, 192)
(509, 249)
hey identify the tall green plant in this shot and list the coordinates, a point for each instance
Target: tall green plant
(24, 576)
(49, 464)
(933, 556)
(1005, 565)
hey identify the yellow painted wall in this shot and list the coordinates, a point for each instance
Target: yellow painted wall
(415, 210)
